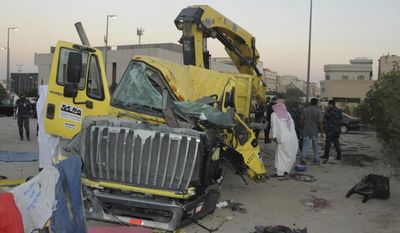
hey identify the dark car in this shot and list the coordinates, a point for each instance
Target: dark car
(349, 123)
(6, 107)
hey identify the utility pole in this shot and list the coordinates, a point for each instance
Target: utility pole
(8, 57)
(309, 56)
(19, 78)
(106, 41)
(139, 32)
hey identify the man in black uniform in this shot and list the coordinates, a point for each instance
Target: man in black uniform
(23, 108)
(332, 123)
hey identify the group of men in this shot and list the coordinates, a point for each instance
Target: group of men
(312, 123)
(309, 123)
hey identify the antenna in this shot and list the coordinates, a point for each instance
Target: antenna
(139, 32)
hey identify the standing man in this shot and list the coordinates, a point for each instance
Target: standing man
(332, 123)
(296, 112)
(274, 101)
(23, 108)
(259, 117)
(311, 121)
(284, 134)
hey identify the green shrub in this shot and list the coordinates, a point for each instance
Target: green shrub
(383, 103)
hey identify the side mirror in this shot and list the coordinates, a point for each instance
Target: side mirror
(70, 90)
(74, 67)
(74, 72)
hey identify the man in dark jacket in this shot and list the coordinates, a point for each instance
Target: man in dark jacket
(296, 112)
(332, 123)
(23, 108)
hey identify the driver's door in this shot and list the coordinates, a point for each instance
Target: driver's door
(77, 88)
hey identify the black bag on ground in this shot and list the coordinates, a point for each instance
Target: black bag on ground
(278, 229)
(372, 186)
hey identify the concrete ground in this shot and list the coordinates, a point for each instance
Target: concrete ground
(320, 206)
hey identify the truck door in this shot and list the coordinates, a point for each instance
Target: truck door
(77, 88)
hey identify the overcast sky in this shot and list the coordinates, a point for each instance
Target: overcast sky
(341, 30)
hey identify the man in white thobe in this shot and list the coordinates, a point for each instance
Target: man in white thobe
(284, 133)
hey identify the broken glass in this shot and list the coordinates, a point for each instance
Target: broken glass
(140, 90)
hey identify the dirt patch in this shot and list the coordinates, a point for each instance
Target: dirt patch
(358, 160)
(352, 148)
(385, 221)
(317, 203)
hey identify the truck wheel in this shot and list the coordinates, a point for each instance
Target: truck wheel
(344, 129)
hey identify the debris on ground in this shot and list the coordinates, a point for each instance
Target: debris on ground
(372, 186)
(234, 206)
(278, 229)
(302, 177)
(317, 203)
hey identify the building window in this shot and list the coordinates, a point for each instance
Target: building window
(323, 89)
(327, 77)
(361, 77)
(345, 77)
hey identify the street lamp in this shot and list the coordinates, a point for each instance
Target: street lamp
(106, 40)
(19, 78)
(8, 55)
(309, 56)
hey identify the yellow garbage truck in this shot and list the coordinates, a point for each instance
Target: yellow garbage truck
(152, 150)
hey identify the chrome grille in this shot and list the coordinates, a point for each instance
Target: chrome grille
(141, 157)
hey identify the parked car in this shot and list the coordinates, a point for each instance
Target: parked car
(6, 107)
(349, 123)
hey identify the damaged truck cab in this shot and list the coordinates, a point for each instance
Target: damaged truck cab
(152, 151)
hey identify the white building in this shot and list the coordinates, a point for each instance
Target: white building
(270, 80)
(388, 63)
(347, 83)
(358, 69)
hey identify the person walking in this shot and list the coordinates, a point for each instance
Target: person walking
(332, 122)
(312, 123)
(23, 108)
(284, 134)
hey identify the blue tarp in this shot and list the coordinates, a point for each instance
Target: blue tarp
(11, 156)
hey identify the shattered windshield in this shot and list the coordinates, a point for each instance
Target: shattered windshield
(139, 89)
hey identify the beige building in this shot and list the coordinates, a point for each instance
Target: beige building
(388, 63)
(348, 83)
(314, 89)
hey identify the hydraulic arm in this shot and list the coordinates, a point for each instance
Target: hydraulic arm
(200, 22)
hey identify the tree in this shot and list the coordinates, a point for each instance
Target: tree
(3, 92)
(292, 96)
(383, 103)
